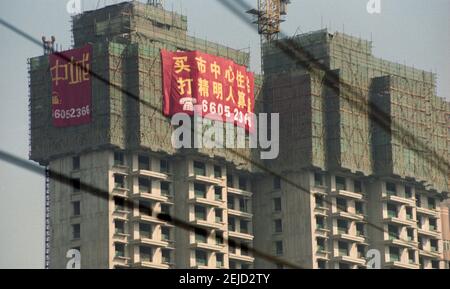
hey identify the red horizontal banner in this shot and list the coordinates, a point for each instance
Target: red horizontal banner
(215, 87)
(71, 87)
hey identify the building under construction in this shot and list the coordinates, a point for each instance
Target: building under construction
(363, 158)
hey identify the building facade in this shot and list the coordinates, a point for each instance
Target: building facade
(347, 186)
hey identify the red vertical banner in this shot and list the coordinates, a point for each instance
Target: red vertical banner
(218, 88)
(71, 87)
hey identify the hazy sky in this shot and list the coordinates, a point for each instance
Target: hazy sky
(415, 32)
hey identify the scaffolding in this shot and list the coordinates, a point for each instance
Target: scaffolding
(334, 130)
(127, 39)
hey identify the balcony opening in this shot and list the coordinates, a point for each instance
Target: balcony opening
(318, 180)
(230, 202)
(410, 234)
(199, 168)
(219, 261)
(76, 209)
(421, 243)
(279, 248)
(408, 192)
(343, 248)
(119, 250)
(320, 222)
(420, 222)
(359, 208)
(219, 238)
(434, 245)
(321, 245)
(431, 204)
(219, 215)
(76, 231)
(218, 172)
(119, 181)
(321, 264)
(218, 195)
(357, 186)
(145, 231)
(145, 185)
(232, 224)
(421, 263)
(341, 204)
(233, 265)
(164, 166)
(232, 247)
(165, 209)
(200, 213)
(145, 208)
(341, 184)
(418, 200)
(278, 224)
(76, 185)
(230, 181)
(393, 232)
(165, 189)
(342, 226)
(434, 264)
(344, 266)
(409, 213)
(243, 205)
(432, 224)
(360, 229)
(76, 163)
(144, 163)
(201, 236)
(201, 258)
(146, 254)
(391, 189)
(119, 204)
(392, 210)
(411, 256)
(165, 234)
(361, 250)
(320, 201)
(119, 227)
(244, 250)
(244, 227)
(166, 256)
(243, 183)
(277, 183)
(119, 159)
(200, 191)
(394, 254)
(277, 204)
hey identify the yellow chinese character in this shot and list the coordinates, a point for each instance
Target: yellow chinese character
(249, 106)
(215, 69)
(201, 63)
(203, 87)
(240, 79)
(85, 67)
(218, 90)
(74, 71)
(241, 102)
(231, 96)
(181, 65)
(248, 85)
(229, 74)
(182, 83)
(55, 72)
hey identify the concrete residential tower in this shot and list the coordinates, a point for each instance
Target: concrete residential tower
(349, 184)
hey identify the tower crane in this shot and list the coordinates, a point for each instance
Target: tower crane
(269, 16)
